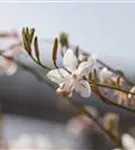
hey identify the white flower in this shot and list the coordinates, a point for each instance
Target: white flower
(22, 142)
(42, 142)
(82, 56)
(72, 77)
(26, 141)
(133, 91)
(128, 142)
(104, 74)
(7, 65)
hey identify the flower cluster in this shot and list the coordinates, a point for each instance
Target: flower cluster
(7, 65)
(9, 52)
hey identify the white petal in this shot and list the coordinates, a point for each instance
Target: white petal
(8, 53)
(132, 90)
(11, 70)
(104, 74)
(23, 142)
(84, 69)
(82, 56)
(43, 142)
(92, 59)
(128, 142)
(83, 88)
(57, 75)
(67, 85)
(62, 92)
(70, 61)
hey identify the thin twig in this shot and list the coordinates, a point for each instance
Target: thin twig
(115, 71)
(111, 87)
(111, 102)
(112, 137)
(115, 139)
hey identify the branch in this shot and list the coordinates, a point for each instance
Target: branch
(115, 71)
(37, 74)
(113, 137)
(111, 87)
(111, 102)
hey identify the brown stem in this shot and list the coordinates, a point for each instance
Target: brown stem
(108, 67)
(115, 139)
(116, 72)
(111, 102)
(111, 87)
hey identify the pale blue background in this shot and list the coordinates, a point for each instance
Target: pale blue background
(107, 29)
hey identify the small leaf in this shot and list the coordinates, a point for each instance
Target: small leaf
(120, 72)
(55, 49)
(94, 75)
(27, 34)
(25, 41)
(32, 31)
(118, 81)
(27, 45)
(23, 36)
(36, 48)
(110, 122)
(64, 39)
(77, 51)
(27, 31)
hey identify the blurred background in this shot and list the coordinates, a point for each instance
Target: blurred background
(31, 107)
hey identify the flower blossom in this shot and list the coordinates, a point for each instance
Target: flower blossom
(74, 76)
(128, 142)
(82, 56)
(12, 47)
(104, 74)
(7, 65)
(133, 91)
(26, 141)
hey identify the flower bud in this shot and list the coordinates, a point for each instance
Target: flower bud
(133, 91)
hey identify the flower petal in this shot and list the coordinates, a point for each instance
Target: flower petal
(8, 53)
(11, 70)
(133, 91)
(70, 61)
(57, 75)
(22, 142)
(42, 142)
(128, 142)
(92, 59)
(104, 74)
(83, 88)
(67, 84)
(84, 69)
(82, 56)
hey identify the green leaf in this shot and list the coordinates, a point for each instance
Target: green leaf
(27, 34)
(94, 75)
(64, 39)
(118, 84)
(26, 40)
(36, 48)
(32, 31)
(120, 72)
(55, 49)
